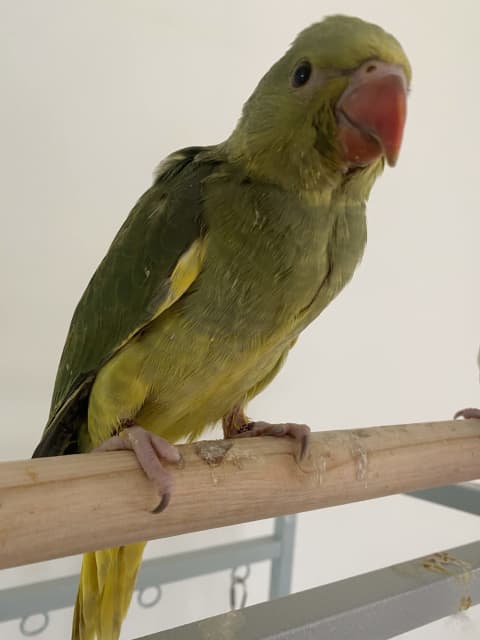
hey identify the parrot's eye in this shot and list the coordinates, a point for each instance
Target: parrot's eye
(301, 74)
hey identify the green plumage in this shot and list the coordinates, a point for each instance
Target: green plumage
(126, 290)
(265, 277)
(234, 250)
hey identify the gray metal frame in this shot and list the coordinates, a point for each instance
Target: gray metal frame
(464, 497)
(42, 597)
(374, 606)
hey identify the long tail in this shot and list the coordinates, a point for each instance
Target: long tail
(106, 584)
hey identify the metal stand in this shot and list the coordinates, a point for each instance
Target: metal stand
(42, 597)
(374, 606)
(464, 497)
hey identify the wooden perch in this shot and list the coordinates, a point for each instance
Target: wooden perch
(54, 507)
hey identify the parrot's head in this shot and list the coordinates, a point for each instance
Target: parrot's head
(334, 104)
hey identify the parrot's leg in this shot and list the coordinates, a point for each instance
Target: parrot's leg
(467, 414)
(234, 422)
(237, 425)
(148, 448)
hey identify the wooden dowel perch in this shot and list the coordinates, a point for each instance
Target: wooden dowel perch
(56, 507)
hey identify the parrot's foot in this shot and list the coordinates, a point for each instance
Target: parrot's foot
(148, 448)
(237, 425)
(300, 432)
(467, 414)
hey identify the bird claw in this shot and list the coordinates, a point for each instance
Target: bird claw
(148, 449)
(468, 414)
(300, 432)
(163, 504)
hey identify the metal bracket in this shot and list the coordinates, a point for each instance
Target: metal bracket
(374, 606)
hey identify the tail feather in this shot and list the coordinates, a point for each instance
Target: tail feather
(106, 585)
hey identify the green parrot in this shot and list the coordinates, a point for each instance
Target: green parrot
(221, 264)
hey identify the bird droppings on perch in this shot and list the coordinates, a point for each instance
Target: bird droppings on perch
(239, 457)
(315, 463)
(213, 451)
(359, 454)
(321, 468)
(216, 453)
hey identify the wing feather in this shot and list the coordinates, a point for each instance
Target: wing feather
(153, 260)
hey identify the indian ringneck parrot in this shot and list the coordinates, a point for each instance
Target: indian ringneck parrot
(220, 265)
(470, 412)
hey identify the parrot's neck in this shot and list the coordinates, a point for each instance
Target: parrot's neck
(296, 166)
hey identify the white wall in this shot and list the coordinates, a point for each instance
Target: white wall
(94, 94)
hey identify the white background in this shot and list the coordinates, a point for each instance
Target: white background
(94, 95)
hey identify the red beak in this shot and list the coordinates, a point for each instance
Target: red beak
(371, 114)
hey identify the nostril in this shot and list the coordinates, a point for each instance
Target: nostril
(370, 68)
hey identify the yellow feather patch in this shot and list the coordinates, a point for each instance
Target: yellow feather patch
(184, 274)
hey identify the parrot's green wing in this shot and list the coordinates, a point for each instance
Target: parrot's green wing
(153, 260)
